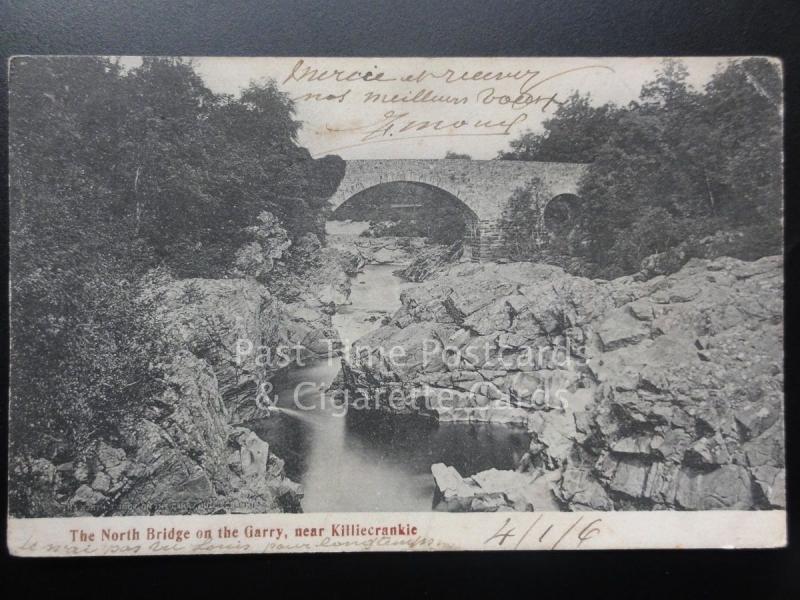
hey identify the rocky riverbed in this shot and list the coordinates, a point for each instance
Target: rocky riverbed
(382, 250)
(644, 392)
(660, 393)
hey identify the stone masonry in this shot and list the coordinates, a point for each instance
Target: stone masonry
(482, 186)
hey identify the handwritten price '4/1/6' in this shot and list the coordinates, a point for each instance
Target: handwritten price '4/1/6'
(543, 533)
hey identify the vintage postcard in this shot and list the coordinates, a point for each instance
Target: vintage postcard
(275, 305)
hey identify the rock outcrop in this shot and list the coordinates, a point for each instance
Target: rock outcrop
(186, 454)
(490, 491)
(385, 250)
(245, 334)
(663, 393)
(316, 276)
(688, 407)
(432, 260)
(183, 457)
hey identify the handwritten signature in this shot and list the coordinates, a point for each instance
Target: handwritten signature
(395, 126)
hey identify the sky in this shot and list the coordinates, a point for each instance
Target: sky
(350, 117)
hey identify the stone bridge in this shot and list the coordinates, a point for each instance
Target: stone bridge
(482, 187)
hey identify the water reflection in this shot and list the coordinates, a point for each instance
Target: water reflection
(367, 461)
(372, 462)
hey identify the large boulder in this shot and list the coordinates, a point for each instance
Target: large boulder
(490, 491)
(580, 490)
(728, 487)
(432, 260)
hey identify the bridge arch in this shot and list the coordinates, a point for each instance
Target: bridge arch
(428, 210)
(561, 213)
(484, 186)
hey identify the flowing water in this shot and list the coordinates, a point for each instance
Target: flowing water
(365, 461)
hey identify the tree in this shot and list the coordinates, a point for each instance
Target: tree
(575, 133)
(743, 157)
(677, 165)
(521, 222)
(116, 176)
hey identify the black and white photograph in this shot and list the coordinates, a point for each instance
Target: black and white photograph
(399, 288)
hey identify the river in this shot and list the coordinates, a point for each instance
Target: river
(369, 462)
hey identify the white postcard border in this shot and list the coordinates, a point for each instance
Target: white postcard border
(371, 532)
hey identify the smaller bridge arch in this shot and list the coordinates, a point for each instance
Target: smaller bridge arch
(561, 212)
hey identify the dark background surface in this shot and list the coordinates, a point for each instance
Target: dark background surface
(408, 28)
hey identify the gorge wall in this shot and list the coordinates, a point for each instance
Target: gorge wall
(190, 452)
(671, 397)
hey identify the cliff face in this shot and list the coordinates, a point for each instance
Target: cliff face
(183, 457)
(245, 334)
(186, 454)
(665, 393)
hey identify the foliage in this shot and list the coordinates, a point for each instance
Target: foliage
(456, 156)
(114, 172)
(574, 134)
(677, 165)
(270, 240)
(521, 224)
